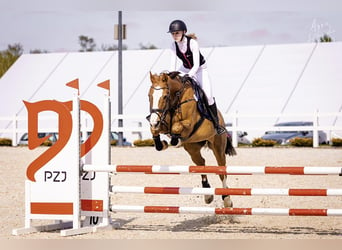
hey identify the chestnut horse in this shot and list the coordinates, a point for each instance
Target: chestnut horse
(173, 111)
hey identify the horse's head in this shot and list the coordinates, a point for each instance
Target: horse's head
(159, 95)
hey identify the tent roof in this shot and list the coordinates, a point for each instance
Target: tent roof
(290, 78)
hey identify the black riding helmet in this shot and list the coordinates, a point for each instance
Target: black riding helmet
(177, 25)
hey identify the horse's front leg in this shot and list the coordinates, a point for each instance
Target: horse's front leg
(158, 144)
(177, 129)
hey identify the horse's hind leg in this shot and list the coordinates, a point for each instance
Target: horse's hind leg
(218, 148)
(205, 183)
(227, 202)
(194, 150)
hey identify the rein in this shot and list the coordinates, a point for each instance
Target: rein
(173, 109)
(179, 94)
(178, 105)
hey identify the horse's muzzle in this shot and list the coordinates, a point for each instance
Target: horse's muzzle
(154, 120)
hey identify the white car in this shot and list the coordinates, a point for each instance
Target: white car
(242, 139)
(53, 137)
(284, 137)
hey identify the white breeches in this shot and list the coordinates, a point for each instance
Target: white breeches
(202, 78)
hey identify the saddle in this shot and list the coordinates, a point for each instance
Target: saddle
(201, 98)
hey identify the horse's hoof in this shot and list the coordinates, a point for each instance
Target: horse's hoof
(159, 146)
(208, 199)
(227, 202)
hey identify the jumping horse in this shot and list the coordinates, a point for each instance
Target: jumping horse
(174, 112)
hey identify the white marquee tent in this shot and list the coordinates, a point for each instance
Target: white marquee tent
(265, 79)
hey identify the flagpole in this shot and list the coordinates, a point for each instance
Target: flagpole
(120, 122)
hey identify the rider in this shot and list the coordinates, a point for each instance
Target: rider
(186, 49)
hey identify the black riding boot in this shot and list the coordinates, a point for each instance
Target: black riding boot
(213, 112)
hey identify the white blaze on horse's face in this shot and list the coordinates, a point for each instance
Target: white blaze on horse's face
(157, 94)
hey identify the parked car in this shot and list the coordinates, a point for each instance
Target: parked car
(53, 137)
(242, 139)
(284, 137)
(114, 136)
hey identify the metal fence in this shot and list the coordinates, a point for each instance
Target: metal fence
(137, 124)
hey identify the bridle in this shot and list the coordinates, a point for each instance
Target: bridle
(170, 108)
(161, 113)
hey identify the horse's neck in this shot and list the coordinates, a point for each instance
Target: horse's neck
(185, 92)
(175, 86)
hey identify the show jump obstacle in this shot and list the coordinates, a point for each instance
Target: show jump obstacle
(70, 182)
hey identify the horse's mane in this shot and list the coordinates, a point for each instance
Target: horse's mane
(185, 80)
(173, 74)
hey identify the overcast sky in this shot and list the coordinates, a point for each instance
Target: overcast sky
(56, 27)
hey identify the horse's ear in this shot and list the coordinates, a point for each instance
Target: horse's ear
(152, 77)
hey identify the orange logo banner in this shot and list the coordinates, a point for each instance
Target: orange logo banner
(63, 110)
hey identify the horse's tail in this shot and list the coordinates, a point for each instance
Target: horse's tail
(230, 150)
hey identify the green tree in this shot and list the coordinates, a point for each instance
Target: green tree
(38, 51)
(9, 56)
(112, 47)
(87, 43)
(325, 39)
(148, 46)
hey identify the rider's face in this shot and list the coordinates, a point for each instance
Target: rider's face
(177, 35)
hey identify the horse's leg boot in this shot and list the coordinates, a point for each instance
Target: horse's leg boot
(207, 198)
(175, 140)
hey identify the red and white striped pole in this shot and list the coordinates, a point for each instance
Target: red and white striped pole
(232, 211)
(230, 170)
(227, 191)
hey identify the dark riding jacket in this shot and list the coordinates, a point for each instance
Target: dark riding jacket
(187, 57)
